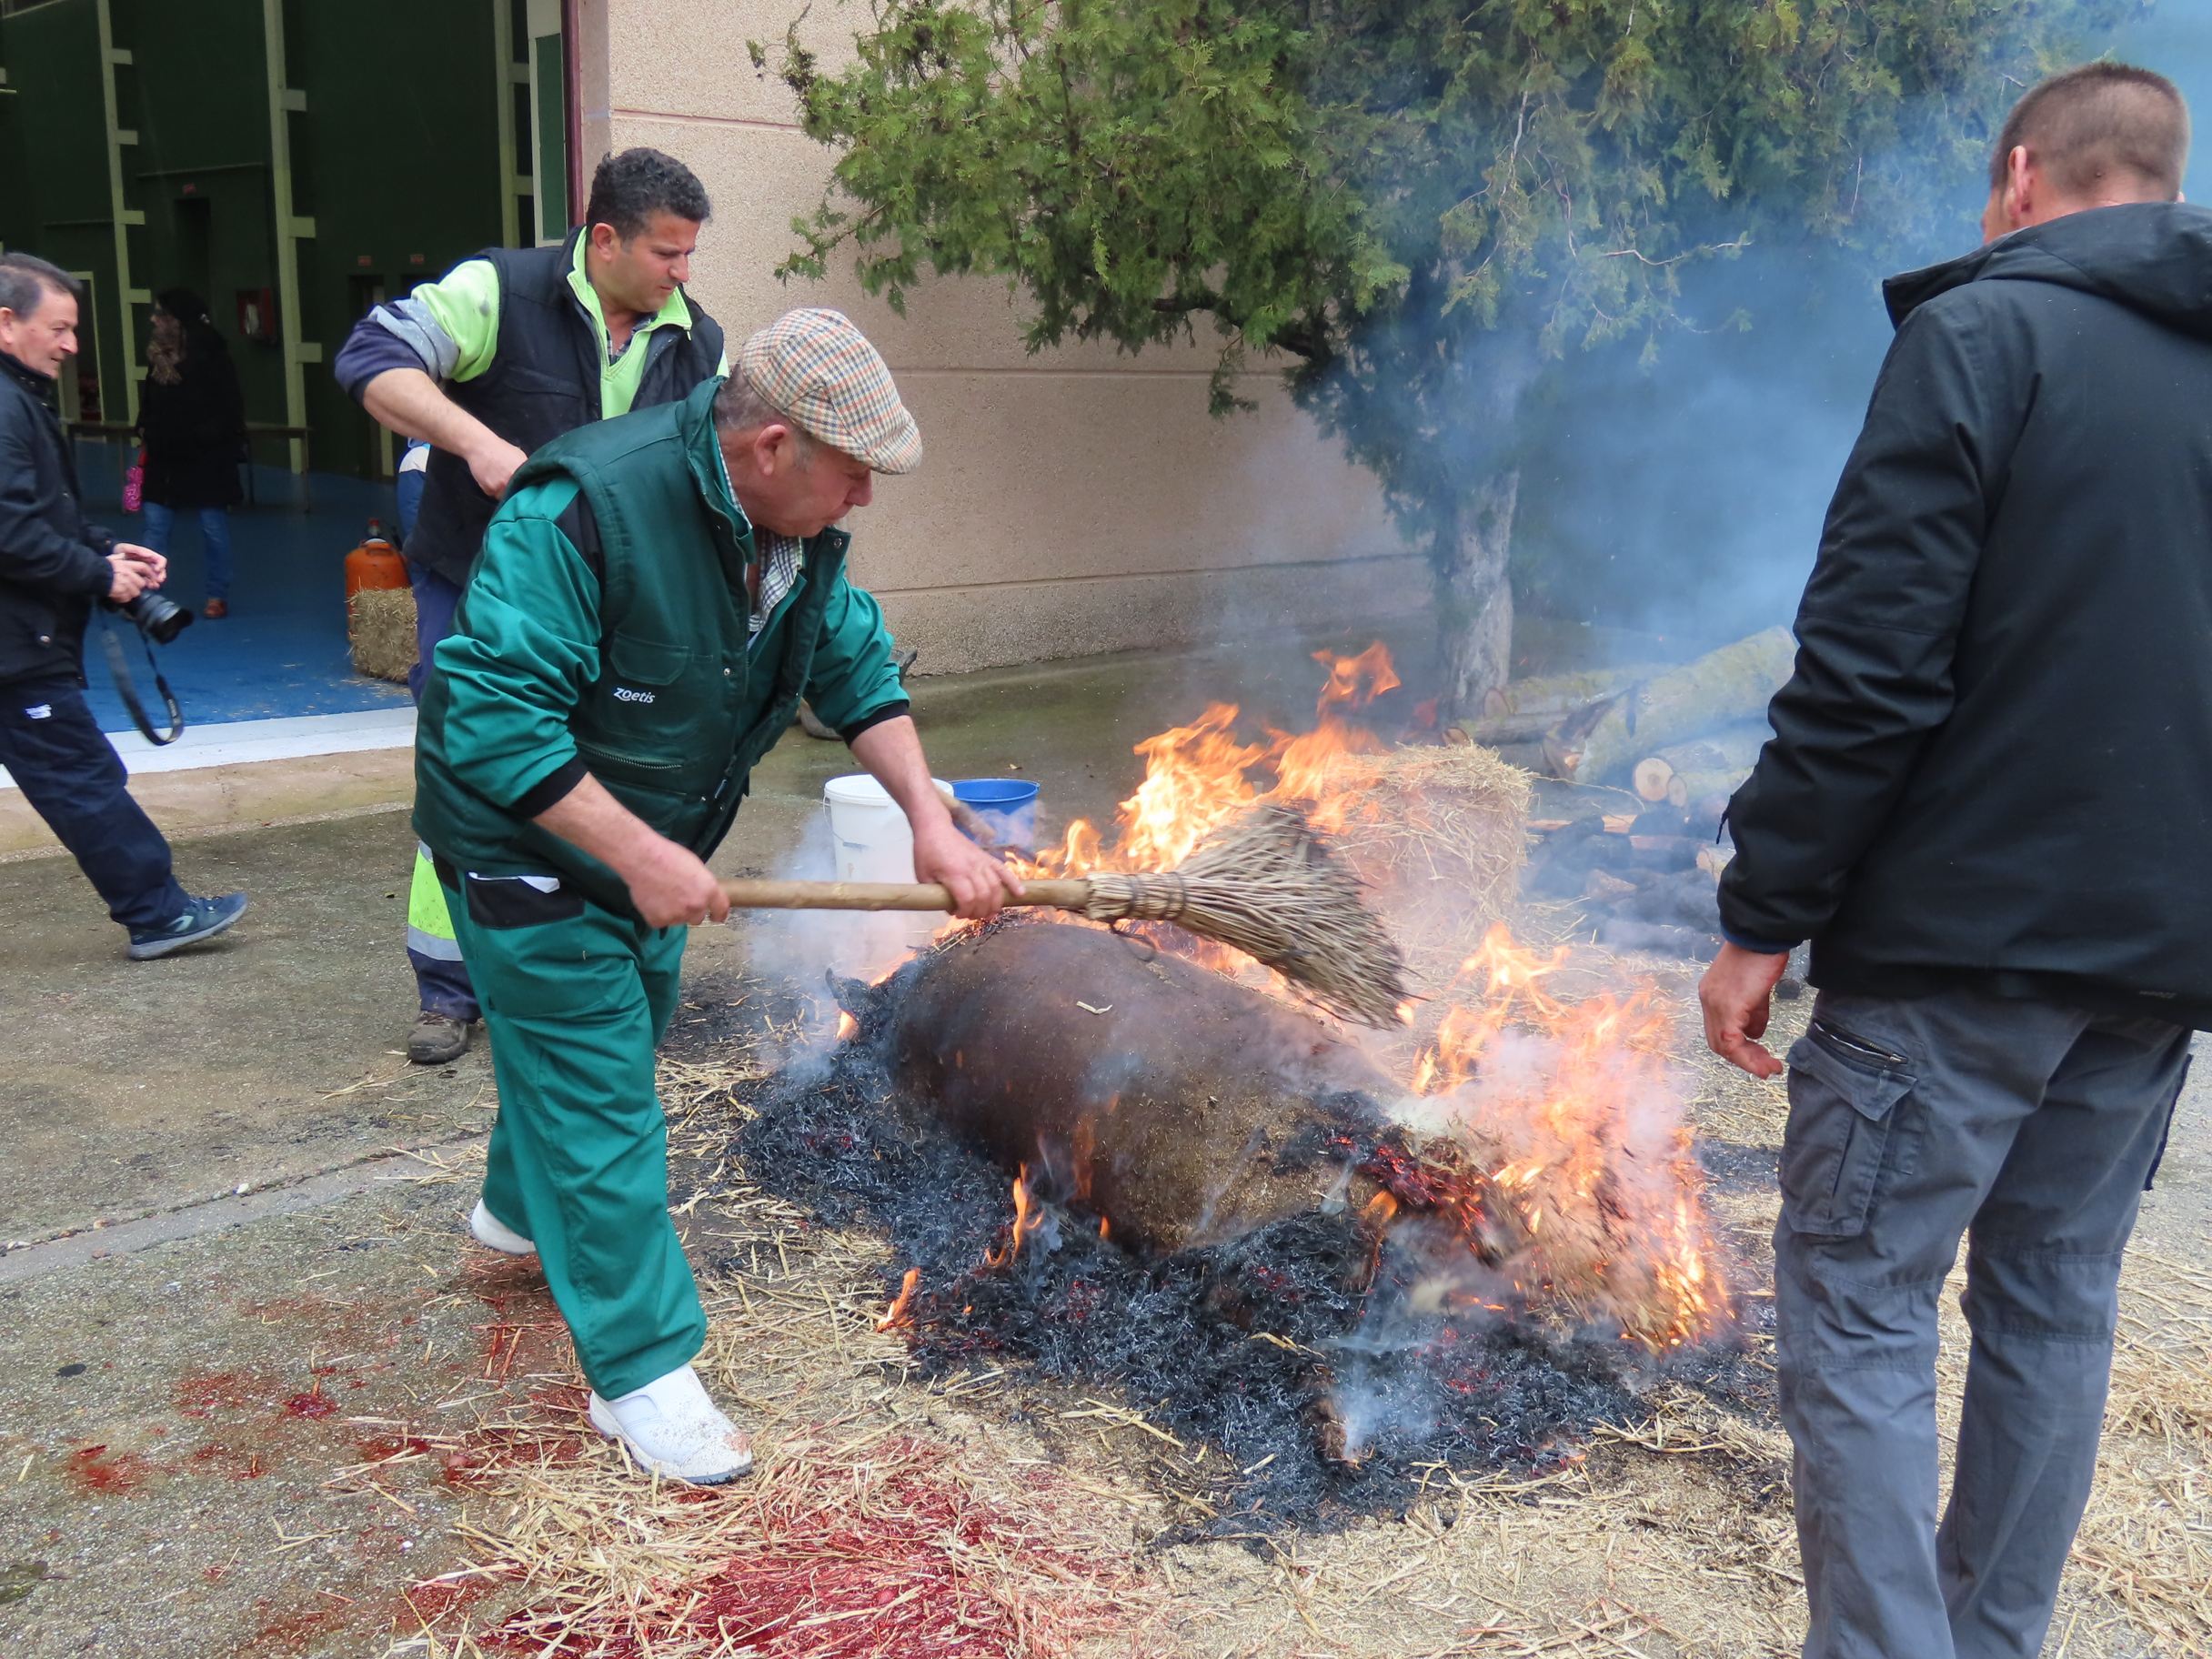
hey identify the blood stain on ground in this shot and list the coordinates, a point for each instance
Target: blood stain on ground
(422, 1605)
(238, 1466)
(293, 1632)
(96, 1469)
(203, 1393)
(314, 1403)
(384, 1448)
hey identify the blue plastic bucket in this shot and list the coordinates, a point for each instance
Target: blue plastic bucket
(1008, 805)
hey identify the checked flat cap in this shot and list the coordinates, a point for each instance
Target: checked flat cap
(820, 370)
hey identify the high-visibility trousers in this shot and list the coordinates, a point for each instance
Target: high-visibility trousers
(434, 949)
(441, 977)
(575, 999)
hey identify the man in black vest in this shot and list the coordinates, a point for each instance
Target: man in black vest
(497, 357)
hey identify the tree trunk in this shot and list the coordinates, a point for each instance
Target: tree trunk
(1475, 618)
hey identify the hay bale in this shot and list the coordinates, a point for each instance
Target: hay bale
(1432, 827)
(380, 627)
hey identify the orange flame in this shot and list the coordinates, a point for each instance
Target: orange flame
(1025, 1224)
(846, 1026)
(1587, 1168)
(1607, 1189)
(1199, 777)
(895, 1314)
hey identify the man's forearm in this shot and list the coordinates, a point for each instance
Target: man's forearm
(413, 405)
(891, 752)
(593, 820)
(668, 885)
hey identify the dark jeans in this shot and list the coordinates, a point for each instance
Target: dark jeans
(2032, 1130)
(215, 541)
(73, 777)
(436, 600)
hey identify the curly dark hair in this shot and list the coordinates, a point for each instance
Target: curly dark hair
(632, 186)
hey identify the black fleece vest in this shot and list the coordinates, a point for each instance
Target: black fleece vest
(544, 380)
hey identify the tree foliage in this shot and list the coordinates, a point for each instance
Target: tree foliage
(1420, 203)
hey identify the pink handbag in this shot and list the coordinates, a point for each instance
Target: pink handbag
(134, 484)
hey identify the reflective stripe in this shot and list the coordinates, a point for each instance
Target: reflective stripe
(427, 909)
(429, 945)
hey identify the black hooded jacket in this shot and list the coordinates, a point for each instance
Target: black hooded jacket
(1993, 762)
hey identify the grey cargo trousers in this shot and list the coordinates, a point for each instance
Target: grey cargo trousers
(2033, 1130)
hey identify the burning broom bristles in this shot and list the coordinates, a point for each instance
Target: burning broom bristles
(1266, 883)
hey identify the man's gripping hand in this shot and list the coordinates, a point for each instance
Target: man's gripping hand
(1737, 995)
(132, 569)
(492, 464)
(672, 887)
(978, 883)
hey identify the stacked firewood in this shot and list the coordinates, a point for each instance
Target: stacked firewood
(1663, 747)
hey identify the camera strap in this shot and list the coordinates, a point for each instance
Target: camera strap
(129, 688)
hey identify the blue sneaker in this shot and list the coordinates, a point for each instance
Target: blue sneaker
(203, 919)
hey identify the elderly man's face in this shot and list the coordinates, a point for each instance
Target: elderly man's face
(793, 486)
(46, 338)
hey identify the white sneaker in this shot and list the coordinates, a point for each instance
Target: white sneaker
(671, 1428)
(489, 1231)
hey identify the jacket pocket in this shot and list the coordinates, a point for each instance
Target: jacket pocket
(645, 662)
(1841, 1116)
(641, 720)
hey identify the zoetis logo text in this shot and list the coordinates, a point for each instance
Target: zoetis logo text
(623, 694)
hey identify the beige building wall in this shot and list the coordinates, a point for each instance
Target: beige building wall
(1071, 503)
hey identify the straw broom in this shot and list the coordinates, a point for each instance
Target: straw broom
(1265, 883)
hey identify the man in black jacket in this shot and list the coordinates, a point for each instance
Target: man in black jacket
(1986, 805)
(497, 358)
(53, 568)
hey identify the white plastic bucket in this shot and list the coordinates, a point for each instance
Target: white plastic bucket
(873, 841)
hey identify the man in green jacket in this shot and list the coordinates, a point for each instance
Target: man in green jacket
(653, 599)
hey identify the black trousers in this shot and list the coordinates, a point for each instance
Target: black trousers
(73, 777)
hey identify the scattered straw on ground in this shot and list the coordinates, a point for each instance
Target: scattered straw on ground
(1040, 1513)
(851, 1541)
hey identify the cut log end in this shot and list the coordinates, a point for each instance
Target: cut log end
(1652, 778)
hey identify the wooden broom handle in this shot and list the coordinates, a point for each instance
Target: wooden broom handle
(885, 895)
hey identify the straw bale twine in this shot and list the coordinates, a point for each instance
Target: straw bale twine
(380, 626)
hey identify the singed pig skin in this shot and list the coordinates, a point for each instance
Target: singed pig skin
(1184, 1107)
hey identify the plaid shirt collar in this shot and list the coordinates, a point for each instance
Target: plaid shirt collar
(772, 570)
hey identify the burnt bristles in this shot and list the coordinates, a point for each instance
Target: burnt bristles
(1299, 1355)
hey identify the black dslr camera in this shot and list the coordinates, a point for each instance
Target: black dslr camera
(159, 618)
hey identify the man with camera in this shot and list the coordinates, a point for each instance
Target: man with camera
(505, 352)
(53, 568)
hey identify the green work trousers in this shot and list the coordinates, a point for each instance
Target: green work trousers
(575, 999)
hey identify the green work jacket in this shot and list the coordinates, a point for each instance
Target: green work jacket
(628, 656)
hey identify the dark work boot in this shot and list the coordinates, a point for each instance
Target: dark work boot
(436, 1040)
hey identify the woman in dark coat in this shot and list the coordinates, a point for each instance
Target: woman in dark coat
(193, 418)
